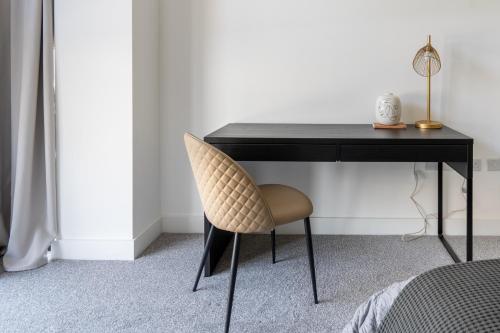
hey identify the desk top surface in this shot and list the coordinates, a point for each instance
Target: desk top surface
(331, 133)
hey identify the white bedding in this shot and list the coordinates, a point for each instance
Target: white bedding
(370, 314)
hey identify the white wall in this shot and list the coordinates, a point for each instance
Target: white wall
(146, 119)
(326, 62)
(94, 118)
(226, 61)
(107, 127)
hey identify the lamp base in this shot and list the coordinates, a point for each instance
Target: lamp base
(428, 124)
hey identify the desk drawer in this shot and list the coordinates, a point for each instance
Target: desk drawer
(403, 153)
(280, 152)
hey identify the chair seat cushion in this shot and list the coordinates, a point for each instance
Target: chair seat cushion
(287, 204)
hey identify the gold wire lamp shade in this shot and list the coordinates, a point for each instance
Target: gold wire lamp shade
(427, 63)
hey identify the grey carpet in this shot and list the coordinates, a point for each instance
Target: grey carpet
(153, 294)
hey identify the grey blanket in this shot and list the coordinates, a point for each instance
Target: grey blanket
(462, 297)
(369, 315)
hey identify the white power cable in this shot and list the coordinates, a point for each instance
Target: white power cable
(421, 210)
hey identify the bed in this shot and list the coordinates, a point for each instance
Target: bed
(462, 297)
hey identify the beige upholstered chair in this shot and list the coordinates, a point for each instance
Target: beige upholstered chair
(233, 202)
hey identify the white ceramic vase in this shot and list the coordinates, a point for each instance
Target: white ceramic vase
(388, 109)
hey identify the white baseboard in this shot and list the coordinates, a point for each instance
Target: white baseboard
(93, 249)
(349, 226)
(148, 236)
(106, 249)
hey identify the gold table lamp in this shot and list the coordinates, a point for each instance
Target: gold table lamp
(427, 63)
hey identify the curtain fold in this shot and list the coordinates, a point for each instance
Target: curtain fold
(4, 123)
(33, 191)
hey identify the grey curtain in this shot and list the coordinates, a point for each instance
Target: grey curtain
(4, 122)
(33, 189)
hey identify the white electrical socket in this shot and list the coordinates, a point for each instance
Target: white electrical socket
(493, 164)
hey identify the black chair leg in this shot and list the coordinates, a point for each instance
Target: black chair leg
(232, 281)
(273, 245)
(210, 240)
(307, 227)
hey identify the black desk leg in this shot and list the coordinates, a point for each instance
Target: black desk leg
(446, 245)
(221, 239)
(467, 172)
(440, 199)
(470, 172)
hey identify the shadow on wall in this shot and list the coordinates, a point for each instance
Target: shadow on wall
(470, 104)
(338, 190)
(180, 69)
(470, 89)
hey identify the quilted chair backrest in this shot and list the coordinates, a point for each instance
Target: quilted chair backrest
(230, 198)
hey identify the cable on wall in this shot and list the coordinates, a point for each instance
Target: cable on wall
(421, 210)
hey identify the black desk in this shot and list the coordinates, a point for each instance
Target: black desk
(347, 143)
